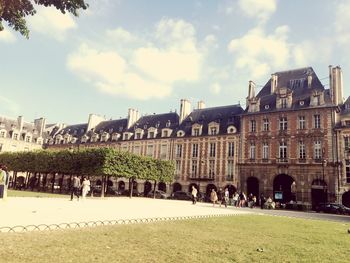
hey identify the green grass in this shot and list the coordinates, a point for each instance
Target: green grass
(16, 193)
(225, 239)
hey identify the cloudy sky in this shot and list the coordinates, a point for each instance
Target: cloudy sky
(148, 54)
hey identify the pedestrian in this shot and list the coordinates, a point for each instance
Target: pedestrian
(213, 197)
(4, 182)
(242, 199)
(235, 199)
(194, 195)
(85, 187)
(262, 201)
(76, 187)
(226, 196)
(220, 196)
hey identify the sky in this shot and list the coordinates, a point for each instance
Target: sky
(150, 54)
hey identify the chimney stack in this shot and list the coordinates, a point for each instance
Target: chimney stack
(39, 125)
(93, 121)
(20, 123)
(251, 89)
(133, 116)
(201, 105)
(185, 109)
(274, 82)
(336, 84)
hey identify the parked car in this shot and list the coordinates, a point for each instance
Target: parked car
(180, 195)
(332, 208)
(159, 194)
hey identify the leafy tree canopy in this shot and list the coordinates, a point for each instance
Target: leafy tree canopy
(14, 12)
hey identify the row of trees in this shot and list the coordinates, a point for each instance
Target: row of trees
(105, 162)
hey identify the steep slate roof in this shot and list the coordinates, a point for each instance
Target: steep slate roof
(76, 130)
(28, 127)
(158, 121)
(112, 126)
(300, 92)
(224, 115)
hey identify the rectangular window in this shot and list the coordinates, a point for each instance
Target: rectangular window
(126, 136)
(2, 134)
(211, 168)
(301, 122)
(163, 151)
(165, 133)
(212, 149)
(15, 136)
(137, 150)
(196, 132)
(346, 144)
(149, 150)
(283, 152)
(178, 167)
(252, 126)
(194, 168)
(317, 121)
(27, 138)
(252, 151)
(265, 153)
(302, 150)
(230, 165)
(283, 124)
(195, 150)
(317, 150)
(347, 171)
(266, 125)
(179, 150)
(213, 131)
(283, 103)
(151, 135)
(231, 149)
(138, 135)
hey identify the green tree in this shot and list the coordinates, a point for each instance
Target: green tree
(14, 12)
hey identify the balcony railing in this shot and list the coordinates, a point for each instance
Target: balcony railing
(282, 160)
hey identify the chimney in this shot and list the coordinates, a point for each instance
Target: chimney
(336, 84)
(201, 105)
(251, 90)
(20, 123)
(185, 109)
(93, 121)
(309, 81)
(274, 82)
(39, 125)
(133, 116)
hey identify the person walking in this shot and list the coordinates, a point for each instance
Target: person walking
(262, 201)
(220, 196)
(235, 199)
(4, 182)
(226, 196)
(85, 187)
(76, 187)
(194, 195)
(213, 197)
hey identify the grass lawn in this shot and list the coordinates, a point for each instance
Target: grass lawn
(17, 193)
(224, 239)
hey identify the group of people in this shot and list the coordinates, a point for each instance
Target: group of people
(77, 185)
(220, 197)
(4, 182)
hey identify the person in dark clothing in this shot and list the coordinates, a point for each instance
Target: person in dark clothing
(262, 201)
(220, 196)
(76, 187)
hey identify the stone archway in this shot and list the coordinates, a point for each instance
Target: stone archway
(177, 187)
(231, 189)
(346, 199)
(318, 192)
(253, 187)
(147, 188)
(121, 186)
(162, 186)
(283, 188)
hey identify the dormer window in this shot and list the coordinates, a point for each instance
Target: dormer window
(231, 129)
(2, 134)
(28, 138)
(115, 136)
(196, 132)
(180, 134)
(138, 135)
(283, 103)
(15, 136)
(151, 135)
(166, 132)
(126, 136)
(213, 131)
(105, 137)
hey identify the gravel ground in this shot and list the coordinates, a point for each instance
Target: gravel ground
(35, 211)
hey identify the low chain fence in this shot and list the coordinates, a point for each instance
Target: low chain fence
(74, 225)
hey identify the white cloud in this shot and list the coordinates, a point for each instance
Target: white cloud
(148, 71)
(210, 41)
(307, 52)
(7, 36)
(259, 53)
(342, 21)
(51, 22)
(215, 88)
(261, 9)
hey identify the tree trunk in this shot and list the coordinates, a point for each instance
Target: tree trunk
(154, 189)
(131, 186)
(14, 180)
(103, 187)
(61, 183)
(26, 181)
(38, 183)
(53, 182)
